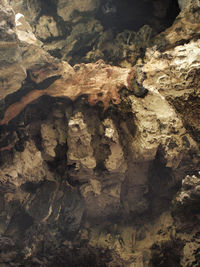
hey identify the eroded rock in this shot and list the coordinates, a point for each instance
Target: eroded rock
(82, 177)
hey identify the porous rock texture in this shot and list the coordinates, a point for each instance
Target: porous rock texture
(99, 133)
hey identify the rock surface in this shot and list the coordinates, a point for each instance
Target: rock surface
(99, 162)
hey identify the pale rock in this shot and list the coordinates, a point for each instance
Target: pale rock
(172, 75)
(24, 30)
(21, 23)
(156, 121)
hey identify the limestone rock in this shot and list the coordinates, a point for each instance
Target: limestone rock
(87, 166)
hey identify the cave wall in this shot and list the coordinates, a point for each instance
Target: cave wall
(99, 161)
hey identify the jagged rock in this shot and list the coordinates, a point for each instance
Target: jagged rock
(88, 166)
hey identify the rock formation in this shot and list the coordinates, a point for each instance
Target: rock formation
(99, 133)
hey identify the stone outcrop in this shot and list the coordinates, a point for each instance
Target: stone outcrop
(99, 164)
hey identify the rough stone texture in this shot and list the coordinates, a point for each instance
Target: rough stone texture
(99, 163)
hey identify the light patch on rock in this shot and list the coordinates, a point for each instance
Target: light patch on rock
(24, 30)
